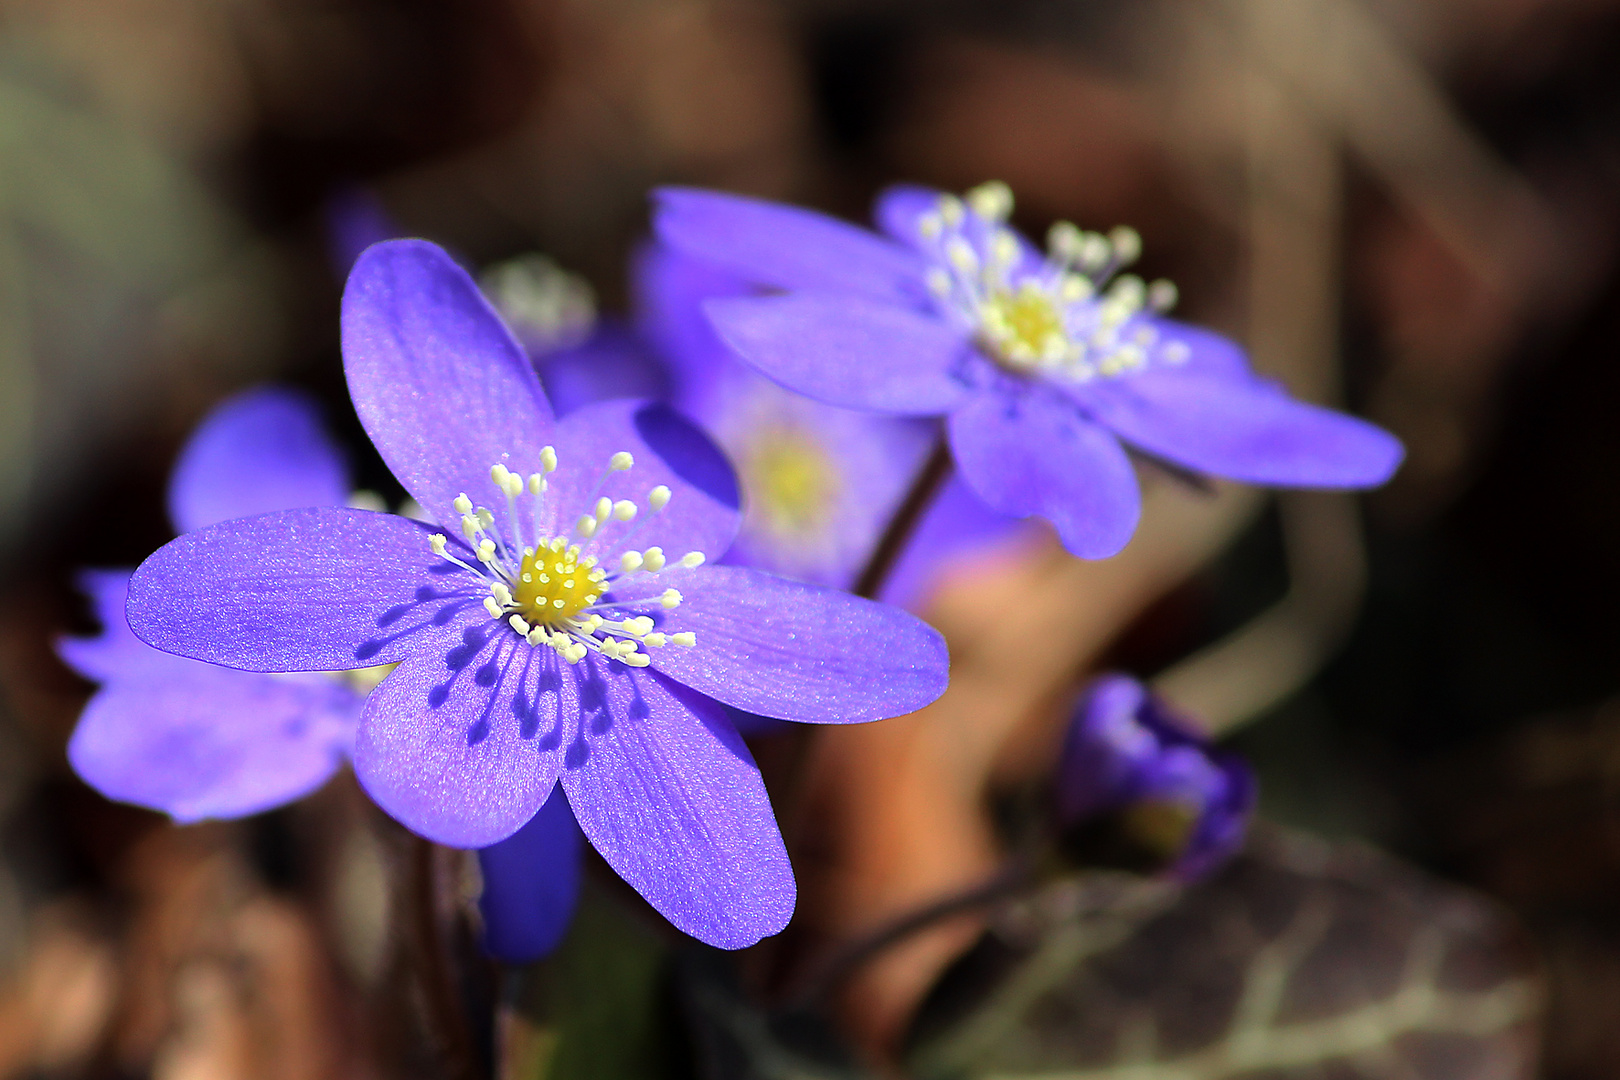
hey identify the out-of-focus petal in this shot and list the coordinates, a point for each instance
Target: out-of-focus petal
(792, 651)
(612, 363)
(849, 351)
(355, 219)
(261, 450)
(668, 794)
(786, 247)
(667, 450)
(1032, 452)
(460, 744)
(210, 742)
(1104, 749)
(441, 386)
(670, 290)
(956, 529)
(116, 652)
(531, 884)
(302, 590)
(1241, 429)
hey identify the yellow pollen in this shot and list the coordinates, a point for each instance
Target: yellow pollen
(544, 598)
(791, 481)
(1024, 325)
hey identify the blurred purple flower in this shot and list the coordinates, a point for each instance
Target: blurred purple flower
(1126, 753)
(819, 483)
(1044, 365)
(535, 643)
(191, 739)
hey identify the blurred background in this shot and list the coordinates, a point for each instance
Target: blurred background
(1409, 208)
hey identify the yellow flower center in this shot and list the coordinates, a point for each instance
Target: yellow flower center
(1024, 326)
(553, 583)
(791, 481)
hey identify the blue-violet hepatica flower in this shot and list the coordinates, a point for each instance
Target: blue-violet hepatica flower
(192, 739)
(1047, 366)
(1126, 753)
(562, 626)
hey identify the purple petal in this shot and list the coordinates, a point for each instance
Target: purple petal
(460, 745)
(786, 247)
(441, 386)
(669, 795)
(1241, 429)
(1104, 750)
(702, 513)
(321, 589)
(1032, 452)
(258, 451)
(211, 742)
(792, 651)
(116, 652)
(1208, 353)
(849, 351)
(531, 884)
(670, 289)
(612, 363)
(1220, 830)
(956, 530)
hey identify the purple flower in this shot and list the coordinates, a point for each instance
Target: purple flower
(1046, 366)
(819, 483)
(1125, 753)
(191, 739)
(560, 636)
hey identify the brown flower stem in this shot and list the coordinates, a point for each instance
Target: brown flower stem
(892, 544)
(446, 1022)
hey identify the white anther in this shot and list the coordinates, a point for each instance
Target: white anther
(486, 549)
(604, 508)
(1075, 288)
(1129, 292)
(930, 225)
(586, 526)
(658, 497)
(653, 559)
(537, 483)
(692, 559)
(992, 201)
(574, 653)
(437, 542)
(671, 599)
(469, 526)
(1004, 249)
(498, 473)
(630, 562)
(1094, 252)
(535, 636)
(485, 518)
(939, 282)
(1127, 244)
(463, 504)
(640, 626)
(656, 641)
(685, 637)
(624, 510)
(548, 459)
(961, 255)
(501, 593)
(1162, 295)
(1177, 352)
(492, 607)
(520, 624)
(637, 659)
(950, 211)
(1065, 240)
(621, 461)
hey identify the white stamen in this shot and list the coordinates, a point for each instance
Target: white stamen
(604, 508)
(624, 510)
(671, 599)
(436, 543)
(537, 483)
(492, 607)
(653, 559)
(656, 641)
(520, 624)
(621, 461)
(586, 526)
(692, 559)
(630, 562)
(685, 637)
(548, 459)
(658, 497)
(462, 504)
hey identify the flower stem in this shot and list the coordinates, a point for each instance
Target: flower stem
(446, 1022)
(930, 478)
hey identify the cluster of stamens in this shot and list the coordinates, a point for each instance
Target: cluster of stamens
(1074, 314)
(554, 592)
